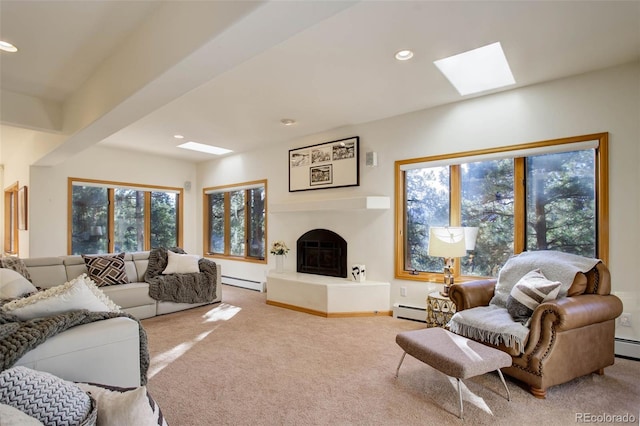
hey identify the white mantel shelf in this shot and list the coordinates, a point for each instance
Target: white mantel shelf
(327, 296)
(354, 203)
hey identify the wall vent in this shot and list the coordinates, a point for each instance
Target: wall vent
(408, 312)
(244, 283)
(627, 348)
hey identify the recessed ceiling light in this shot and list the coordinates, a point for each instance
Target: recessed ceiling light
(178, 136)
(404, 55)
(288, 121)
(477, 70)
(200, 147)
(7, 47)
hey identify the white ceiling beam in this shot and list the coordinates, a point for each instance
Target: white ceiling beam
(183, 46)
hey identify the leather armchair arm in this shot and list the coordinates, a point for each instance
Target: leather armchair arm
(560, 315)
(578, 311)
(473, 293)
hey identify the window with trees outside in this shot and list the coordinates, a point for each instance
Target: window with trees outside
(107, 217)
(549, 195)
(235, 221)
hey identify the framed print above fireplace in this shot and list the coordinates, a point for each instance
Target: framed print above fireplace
(332, 164)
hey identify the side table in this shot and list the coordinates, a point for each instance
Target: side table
(440, 309)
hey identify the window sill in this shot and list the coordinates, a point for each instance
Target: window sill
(235, 258)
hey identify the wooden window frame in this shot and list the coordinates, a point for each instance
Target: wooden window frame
(601, 189)
(206, 226)
(11, 237)
(111, 187)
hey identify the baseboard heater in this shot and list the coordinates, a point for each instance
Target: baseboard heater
(244, 283)
(627, 348)
(413, 313)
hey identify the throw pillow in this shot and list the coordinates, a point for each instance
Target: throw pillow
(118, 406)
(529, 292)
(16, 264)
(12, 416)
(181, 263)
(44, 396)
(75, 294)
(13, 284)
(106, 269)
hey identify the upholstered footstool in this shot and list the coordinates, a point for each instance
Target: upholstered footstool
(454, 355)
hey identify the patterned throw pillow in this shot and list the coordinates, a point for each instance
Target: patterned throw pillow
(16, 264)
(532, 290)
(106, 269)
(45, 397)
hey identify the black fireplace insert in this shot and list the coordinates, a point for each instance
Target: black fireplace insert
(322, 252)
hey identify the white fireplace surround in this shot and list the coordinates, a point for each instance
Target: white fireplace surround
(327, 296)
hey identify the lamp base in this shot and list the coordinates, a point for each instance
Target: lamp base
(445, 291)
(448, 277)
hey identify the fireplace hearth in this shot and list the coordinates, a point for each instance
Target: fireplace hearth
(322, 252)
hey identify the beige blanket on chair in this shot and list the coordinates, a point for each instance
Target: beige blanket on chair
(554, 265)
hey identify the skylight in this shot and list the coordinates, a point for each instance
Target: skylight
(477, 70)
(200, 147)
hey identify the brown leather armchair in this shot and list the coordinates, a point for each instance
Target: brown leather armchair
(568, 338)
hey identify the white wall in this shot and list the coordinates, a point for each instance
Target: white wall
(48, 213)
(603, 101)
(20, 148)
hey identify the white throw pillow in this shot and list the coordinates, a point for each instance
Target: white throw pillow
(73, 295)
(128, 407)
(181, 263)
(13, 284)
(12, 416)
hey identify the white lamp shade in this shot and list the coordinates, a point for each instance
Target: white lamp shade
(470, 236)
(447, 241)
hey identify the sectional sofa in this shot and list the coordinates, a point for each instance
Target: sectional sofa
(107, 351)
(132, 298)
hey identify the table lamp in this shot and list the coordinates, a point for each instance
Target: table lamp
(448, 242)
(470, 237)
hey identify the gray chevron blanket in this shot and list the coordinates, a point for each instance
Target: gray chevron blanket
(181, 288)
(19, 337)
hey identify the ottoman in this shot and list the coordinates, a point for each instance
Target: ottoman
(454, 355)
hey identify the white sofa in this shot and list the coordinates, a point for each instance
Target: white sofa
(108, 351)
(132, 298)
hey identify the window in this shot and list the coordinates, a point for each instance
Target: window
(235, 221)
(11, 219)
(110, 217)
(548, 195)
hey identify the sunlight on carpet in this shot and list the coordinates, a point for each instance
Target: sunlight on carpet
(222, 312)
(469, 396)
(160, 361)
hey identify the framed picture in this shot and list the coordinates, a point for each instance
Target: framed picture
(22, 208)
(332, 164)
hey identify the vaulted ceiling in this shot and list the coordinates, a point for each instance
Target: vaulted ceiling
(131, 74)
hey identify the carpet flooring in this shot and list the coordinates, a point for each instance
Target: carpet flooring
(243, 362)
